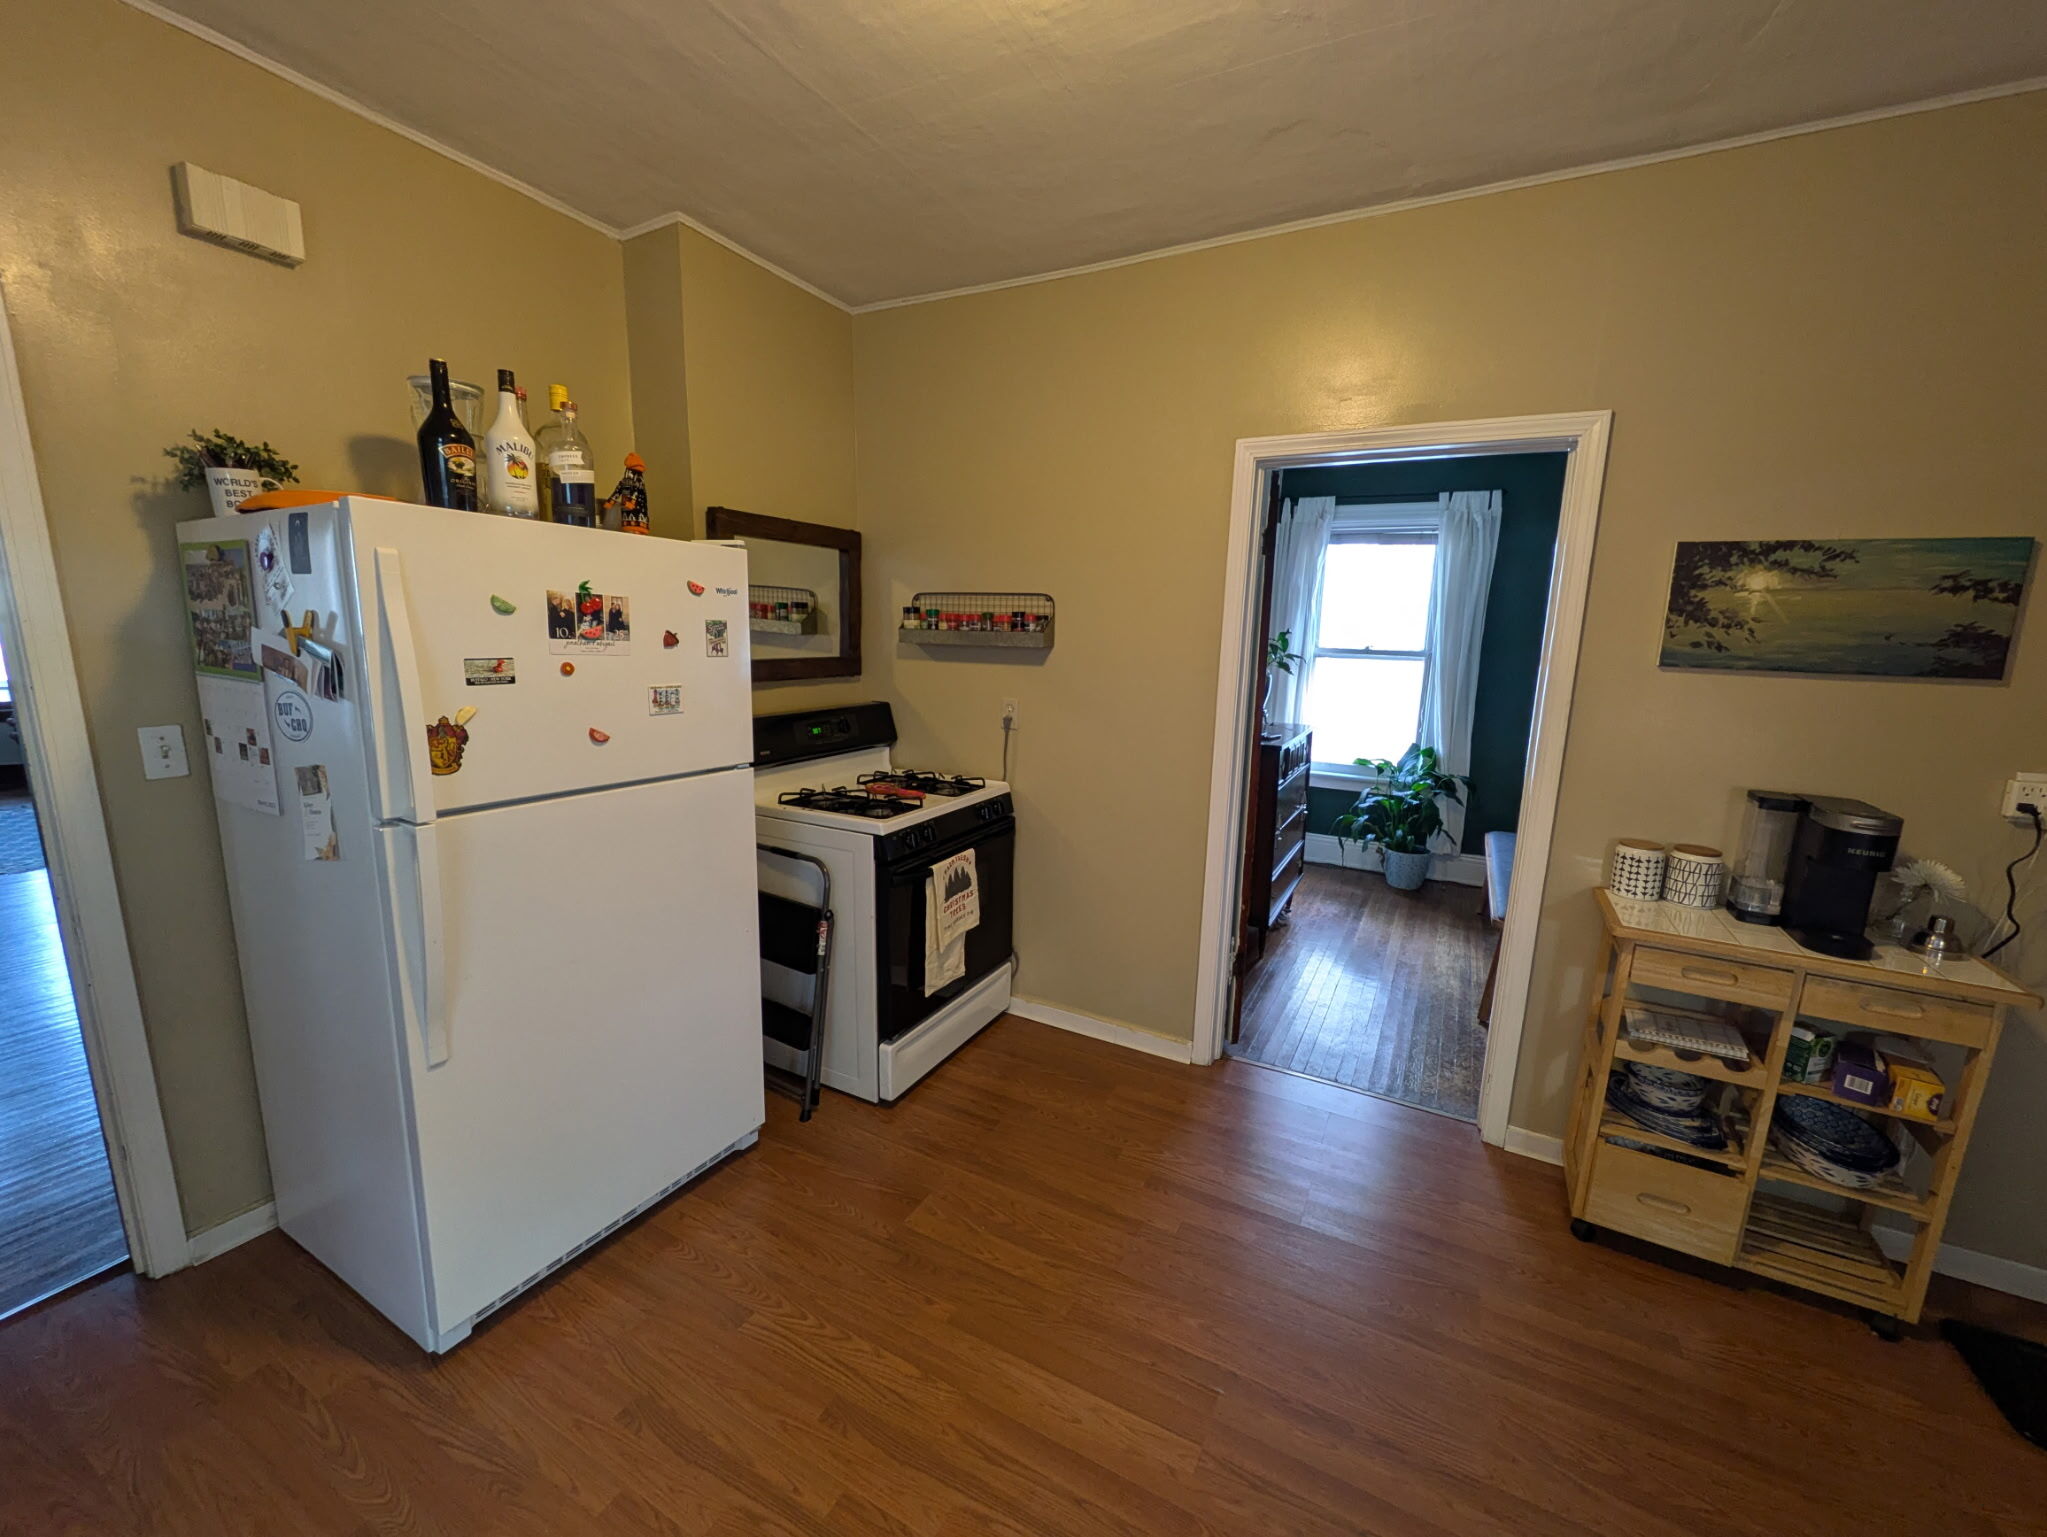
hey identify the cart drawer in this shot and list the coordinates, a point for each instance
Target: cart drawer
(1895, 1010)
(1711, 977)
(1673, 1204)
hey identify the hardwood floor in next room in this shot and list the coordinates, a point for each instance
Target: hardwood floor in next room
(1060, 1288)
(1375, 989)
(59, 1222)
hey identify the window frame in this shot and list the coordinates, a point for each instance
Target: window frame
(1373, 523)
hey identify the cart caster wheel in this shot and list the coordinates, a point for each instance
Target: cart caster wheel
(1886, 1328)
(1583, 1231)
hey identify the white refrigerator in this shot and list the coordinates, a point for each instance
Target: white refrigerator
(491, 858)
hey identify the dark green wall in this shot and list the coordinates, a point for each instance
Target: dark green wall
(1531, 488)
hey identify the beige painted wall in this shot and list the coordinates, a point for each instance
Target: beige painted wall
(131, 333)
(1834, 335)
(770, 385)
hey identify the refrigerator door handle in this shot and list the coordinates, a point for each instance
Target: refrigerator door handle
(433, 1010)
(427, 993)
(406, 733)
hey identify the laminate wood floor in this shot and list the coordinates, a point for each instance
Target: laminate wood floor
(1375, 989)
(1062, 1288)
(58, 1219)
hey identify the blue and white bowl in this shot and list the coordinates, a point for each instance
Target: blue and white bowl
(1666, 1087)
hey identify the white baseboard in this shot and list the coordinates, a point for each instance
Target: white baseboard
(1110, 1030)
(1533, 1144)
(2004, 1275)
(1458, 869)
(215, 1241)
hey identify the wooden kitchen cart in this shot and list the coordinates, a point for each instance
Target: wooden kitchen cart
(1749, 1206)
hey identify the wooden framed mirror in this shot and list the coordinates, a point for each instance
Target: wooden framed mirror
(806, 576)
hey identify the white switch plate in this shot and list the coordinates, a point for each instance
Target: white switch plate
(2031, 788)
(163, 752)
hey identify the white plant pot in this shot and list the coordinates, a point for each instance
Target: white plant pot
(1404, 872)
(229, 488)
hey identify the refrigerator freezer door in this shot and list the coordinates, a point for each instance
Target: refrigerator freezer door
(601, 999)
(629, 706)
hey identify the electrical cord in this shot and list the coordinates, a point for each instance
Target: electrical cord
(2011, 882)
(1008, 727)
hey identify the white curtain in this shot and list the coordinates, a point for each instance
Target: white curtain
(1464, 576)
(1297, 595)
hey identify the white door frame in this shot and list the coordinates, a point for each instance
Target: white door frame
(50, 712)
(1581, 434)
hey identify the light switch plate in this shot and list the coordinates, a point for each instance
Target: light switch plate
(163, 752)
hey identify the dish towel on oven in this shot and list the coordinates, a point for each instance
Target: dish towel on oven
(952, 906)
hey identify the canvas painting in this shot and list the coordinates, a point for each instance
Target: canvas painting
(1880, 608)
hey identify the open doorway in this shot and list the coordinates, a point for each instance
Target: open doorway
(59, 1219)
(1405, 609)
(1480, 921)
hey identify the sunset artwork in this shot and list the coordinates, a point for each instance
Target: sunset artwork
(1883, 608)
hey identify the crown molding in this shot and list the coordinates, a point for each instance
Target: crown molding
(666, 220)
(1265, 232)
(1436, 199)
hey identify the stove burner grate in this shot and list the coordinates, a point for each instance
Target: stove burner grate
(847, 802)
(923, 782)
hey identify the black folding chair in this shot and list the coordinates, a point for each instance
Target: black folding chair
(798, 937)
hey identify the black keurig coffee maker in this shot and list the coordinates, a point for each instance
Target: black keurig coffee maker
(1839, 850)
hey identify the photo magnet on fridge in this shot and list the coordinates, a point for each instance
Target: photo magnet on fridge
(284, 664)
(481, 671)
(715, 642)
(664, 699)
(298, 545)
(589, 623)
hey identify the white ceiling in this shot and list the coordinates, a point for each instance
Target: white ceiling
(886, 148)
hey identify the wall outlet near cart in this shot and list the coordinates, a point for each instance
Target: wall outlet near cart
(163, 752)
(1009, 714)
(2027, 789)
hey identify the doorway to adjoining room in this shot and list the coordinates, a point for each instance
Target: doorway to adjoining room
(1402, 634)
(59, 1221)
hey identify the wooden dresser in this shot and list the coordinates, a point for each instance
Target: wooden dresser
(1277, 851)
(1721, 1205)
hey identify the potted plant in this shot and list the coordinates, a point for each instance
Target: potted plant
(1279, 658)
(231, 471)
(1402, 814)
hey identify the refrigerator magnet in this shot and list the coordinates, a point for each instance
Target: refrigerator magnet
(482, 671)
(500, 605)
(465, 715)
(599, 737)
(696, 589)
(568, 669)
(664, 699)
(444, 744)
(715, 641)
(670, 640)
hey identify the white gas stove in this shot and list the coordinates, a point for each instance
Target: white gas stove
(825, 787)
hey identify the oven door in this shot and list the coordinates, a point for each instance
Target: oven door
(902, 891)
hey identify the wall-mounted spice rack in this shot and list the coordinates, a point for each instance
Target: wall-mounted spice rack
(781, 610)
(1009, 619)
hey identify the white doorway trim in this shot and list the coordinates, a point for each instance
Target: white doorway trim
(50, 712)
(1581, 434)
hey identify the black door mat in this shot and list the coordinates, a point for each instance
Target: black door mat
(2013, 1372)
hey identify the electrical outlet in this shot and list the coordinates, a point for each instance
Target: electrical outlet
(2029, 788)
(1009, 713)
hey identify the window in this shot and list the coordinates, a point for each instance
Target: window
(1365, 690)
